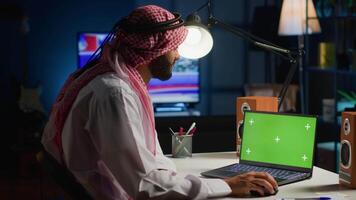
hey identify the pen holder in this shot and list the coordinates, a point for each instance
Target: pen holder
(181, 145)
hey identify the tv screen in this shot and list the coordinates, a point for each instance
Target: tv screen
(182, 87)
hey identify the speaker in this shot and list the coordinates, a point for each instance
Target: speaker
(256, 103)
(347, 172)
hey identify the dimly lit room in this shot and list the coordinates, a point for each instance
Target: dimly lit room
(178, 99)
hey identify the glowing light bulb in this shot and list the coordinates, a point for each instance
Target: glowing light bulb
(194, 36)
(197, 44)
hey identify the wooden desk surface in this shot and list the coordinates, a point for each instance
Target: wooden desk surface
(322, 183)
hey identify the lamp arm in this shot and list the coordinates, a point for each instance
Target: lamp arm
(259, 42)
(207, 4)
(286, 84)
(291, 56)
(276, 50)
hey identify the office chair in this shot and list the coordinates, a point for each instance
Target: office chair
(62, 176)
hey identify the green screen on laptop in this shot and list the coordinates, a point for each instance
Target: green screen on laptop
(278, 139)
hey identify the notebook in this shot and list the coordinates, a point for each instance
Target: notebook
(277, 143)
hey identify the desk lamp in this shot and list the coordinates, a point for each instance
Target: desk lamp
(199, 42)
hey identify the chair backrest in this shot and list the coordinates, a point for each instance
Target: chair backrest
(62, 176)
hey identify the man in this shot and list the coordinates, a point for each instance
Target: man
(102, 124)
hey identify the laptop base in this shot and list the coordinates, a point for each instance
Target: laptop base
(282, 177)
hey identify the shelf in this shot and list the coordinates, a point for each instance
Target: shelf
(325, 83)
(346, 17)
(332, 71)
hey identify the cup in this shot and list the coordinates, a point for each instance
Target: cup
(181, 145)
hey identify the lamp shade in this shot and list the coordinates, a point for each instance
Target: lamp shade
(198, 42)
(293, 18)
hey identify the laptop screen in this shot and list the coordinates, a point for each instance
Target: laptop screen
(278, 139)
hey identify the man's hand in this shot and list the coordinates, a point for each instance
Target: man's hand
(261, 182)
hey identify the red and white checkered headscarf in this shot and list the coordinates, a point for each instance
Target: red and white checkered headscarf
(140, 48)
(125, 52)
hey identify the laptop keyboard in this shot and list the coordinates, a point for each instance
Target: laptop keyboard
(276, 173)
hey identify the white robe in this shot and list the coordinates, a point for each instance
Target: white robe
(104, 147)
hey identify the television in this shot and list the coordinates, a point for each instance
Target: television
(181, 91)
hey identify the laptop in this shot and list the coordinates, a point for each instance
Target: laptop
(278, 143)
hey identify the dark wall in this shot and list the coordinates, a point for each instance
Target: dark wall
(48, 51)
(52, 38)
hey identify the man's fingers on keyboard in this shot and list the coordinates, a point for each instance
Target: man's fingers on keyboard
(265, 184)
(267, 177)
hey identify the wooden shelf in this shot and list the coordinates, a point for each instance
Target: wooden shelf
(331, 70)
(341, 17)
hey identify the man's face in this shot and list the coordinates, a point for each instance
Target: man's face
(161, 67)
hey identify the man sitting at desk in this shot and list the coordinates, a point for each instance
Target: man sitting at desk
(102, 124)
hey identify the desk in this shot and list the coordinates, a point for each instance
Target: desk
(322, 182)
